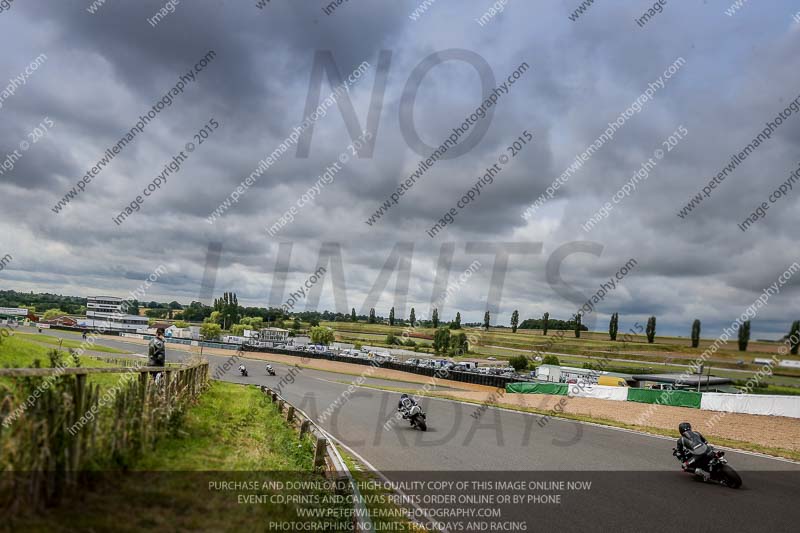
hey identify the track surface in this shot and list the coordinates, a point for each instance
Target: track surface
(636, 481)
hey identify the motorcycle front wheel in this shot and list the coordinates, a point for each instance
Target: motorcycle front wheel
(729, 477)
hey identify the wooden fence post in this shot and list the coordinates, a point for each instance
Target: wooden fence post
(319, 453)
(304, 427)
(80, 403)
(290, 414)
(167, 384)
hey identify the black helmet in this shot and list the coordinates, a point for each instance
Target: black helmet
(683, 427)
(403, 396)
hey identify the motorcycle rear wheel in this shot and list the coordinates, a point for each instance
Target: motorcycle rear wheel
(729, 477)
(422, 425)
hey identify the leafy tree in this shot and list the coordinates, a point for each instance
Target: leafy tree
(210, 330)
(412, 318)
(651, 329)
(695, 333)
(552, 324)
(131, 307)
(577, 325)
(52, 313)
(296, 324)
(613, 326)
(156, 313)
(550, 360)
(456, 324)
(545, 323)
(215, 317)
(486, 319)
(391, 339)
(353, 317)
(519, 362)
(794, 337)
(441, 340)
(372, 316)
(181, 324)
(435, 318)
(195, 312)
(744, 335)
(322, 335)
(514, 321)
(458, 344)
(391, 316)
(228, 307)
(313, 321)
(175, 305)
(238, 329)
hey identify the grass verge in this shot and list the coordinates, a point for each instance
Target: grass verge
(68, 343)
(232, 435)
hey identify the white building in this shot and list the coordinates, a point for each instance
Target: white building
(273, 335)
(105, 313)
(192, 332)
(103, 304)
(21, 312)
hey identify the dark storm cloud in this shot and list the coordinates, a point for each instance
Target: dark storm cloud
(105, 70)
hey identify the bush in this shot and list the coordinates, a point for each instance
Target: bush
(550, 360)
(519, 362)
(322, 335)
(458, 344)
(210, 331)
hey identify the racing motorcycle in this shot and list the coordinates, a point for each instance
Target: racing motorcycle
(417, 418)
(243, 370)
(270, 370)
(715, 464)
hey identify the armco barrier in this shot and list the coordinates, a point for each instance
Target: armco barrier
(754, 404)
(326, 456)
(538, 388)
(675, 398)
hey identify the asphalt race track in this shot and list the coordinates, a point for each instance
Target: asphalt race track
(636, 482)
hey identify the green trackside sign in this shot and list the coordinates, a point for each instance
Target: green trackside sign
(538, 388)
(675, 398)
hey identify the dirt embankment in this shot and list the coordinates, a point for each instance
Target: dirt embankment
(766, 431)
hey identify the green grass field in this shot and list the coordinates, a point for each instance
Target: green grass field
(233, 433)
(19, 352)
(666, 354)
(68, 343)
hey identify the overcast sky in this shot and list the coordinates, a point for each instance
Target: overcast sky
(103, 70)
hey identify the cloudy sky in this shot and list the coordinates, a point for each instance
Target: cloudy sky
(104, 70)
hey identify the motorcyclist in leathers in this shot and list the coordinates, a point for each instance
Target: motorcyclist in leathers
(688, 441)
